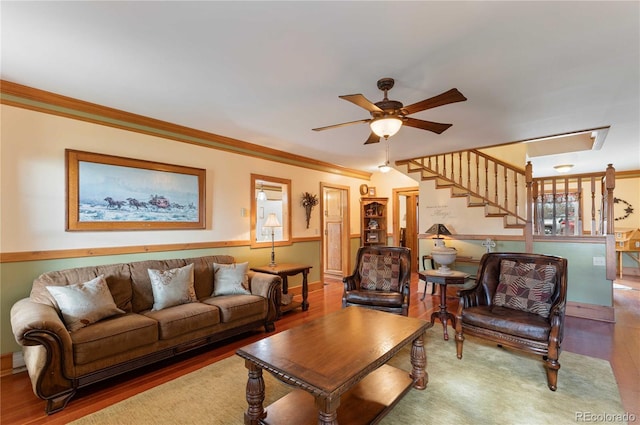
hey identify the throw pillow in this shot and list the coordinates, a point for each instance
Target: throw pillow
(380, 272)
(526, 287)
(230, 279)
(82, 304)
(172, 287)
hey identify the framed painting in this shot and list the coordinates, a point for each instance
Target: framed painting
(107, 192)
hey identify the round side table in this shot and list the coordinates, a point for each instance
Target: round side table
(454, 278)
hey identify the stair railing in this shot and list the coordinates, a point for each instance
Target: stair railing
(549, 206)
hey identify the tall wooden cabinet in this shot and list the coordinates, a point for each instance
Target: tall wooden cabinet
(373, 221)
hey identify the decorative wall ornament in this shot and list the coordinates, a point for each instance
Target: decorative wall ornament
(308, 202)
(627, 211)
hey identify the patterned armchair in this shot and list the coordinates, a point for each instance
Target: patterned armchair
(518, 301)
(380, 280)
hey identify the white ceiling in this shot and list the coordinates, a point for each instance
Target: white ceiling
(269, 72)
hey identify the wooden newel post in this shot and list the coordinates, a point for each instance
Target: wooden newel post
(610, 184)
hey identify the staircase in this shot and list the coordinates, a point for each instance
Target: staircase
(498, 187)
(558, 206)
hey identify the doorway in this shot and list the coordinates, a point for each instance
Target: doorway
(405, 221)
(335, 229)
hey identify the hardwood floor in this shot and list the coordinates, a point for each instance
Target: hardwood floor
(618, 343)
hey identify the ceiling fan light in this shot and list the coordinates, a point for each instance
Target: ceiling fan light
(386, 127)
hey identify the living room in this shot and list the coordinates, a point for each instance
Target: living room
(39, 124)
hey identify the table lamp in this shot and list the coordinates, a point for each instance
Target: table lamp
(272, 222)
(438, 229)
(440, 253)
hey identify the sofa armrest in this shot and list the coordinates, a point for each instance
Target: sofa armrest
(268, 286)
(28, 316)
(47, 350)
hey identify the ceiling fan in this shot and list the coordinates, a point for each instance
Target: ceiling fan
(387, 116)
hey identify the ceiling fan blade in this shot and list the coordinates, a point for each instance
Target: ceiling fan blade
(373, 138)
(451, 96)
(361, 101)
(340, 125)
(436, 127)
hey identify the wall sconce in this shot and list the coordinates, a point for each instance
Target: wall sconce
(262, 195)
(272, 222)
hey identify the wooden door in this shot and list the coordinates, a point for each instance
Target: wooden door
(405, 216)
(412, 229)
(336, 231)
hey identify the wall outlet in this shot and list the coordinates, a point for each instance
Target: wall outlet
(598, 261)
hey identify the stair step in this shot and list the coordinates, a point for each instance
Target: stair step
(477, 200)
(495, 214)
(514, 226)
(459, 192)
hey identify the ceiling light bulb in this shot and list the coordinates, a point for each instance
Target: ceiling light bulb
(386, 127)
(563, 168)
(384, 168)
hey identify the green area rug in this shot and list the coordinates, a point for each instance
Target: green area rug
(490, 385)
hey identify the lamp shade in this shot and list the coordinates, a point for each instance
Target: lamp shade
(272, 221)
(438, 229)
(386, 127)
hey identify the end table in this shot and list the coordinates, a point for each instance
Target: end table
(285, 270)
(443, 280)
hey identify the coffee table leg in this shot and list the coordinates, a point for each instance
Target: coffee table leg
(255, 394)
(419, 364)
(327, 411)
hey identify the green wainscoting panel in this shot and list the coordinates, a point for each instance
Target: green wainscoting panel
(16, 278)
(587, 283)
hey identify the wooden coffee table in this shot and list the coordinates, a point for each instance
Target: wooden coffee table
(337, 364)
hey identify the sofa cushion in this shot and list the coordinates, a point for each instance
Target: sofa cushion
(230, 279)
(374, 298)
(112, 336)
(172, 287)
(142, 294)
(182, 319)
(508, 321)
(203, 272)
(235, 307)
(526, 286)
(84, 303)
(117, 275)
(380, 272)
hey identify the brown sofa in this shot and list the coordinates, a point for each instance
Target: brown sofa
(59, 362)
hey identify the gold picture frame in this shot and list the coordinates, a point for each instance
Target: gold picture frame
(106, 192)
(372, 191)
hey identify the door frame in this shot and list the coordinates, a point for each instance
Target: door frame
(345, 243)
(396, 192)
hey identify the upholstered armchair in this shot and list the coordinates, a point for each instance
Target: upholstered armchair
(518, 301)
(380, 280)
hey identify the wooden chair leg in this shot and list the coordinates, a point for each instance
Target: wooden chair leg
(459, 341)
(552, 373)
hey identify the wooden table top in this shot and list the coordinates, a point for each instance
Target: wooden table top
(330, 354)
(282, 268)
(435, 273)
